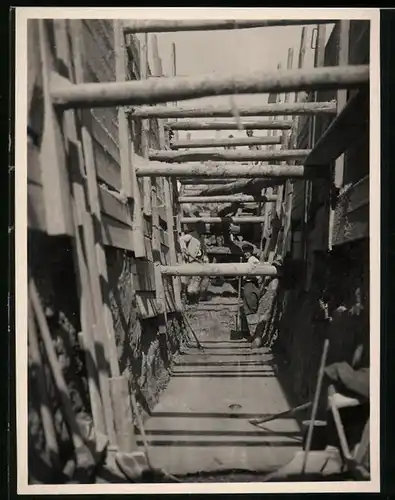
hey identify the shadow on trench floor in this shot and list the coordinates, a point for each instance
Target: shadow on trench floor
(200, 428)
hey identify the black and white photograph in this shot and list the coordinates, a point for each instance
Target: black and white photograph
(197, 245)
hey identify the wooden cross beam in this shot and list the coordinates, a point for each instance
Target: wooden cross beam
(233, 269)
(166, 26)
(156, 169)
(225, 111)
(223, 220)
(243, 141)
(191, 156)
(156, 90)
(237, 198)
(196, 181)
(243, 186)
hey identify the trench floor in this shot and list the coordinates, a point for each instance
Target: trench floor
(200, 424)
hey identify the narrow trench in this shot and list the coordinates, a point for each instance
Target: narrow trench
(199, 431)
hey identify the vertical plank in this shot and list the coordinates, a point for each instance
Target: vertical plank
(319, 61)
(52, 156)
(126, 148)
(166, 187)
(288, 185)
(295, 127)
(174, 190)
(343, 60)
(147, 196)
(123, 128)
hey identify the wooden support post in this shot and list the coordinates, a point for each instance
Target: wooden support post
(226, 199)
(245, 141)
(234, 269)
(156, 169)
(145, 128)
(91, 95)
(224, 111)
(221, 220)
(153, 26)
(342, 95)
(167, 190)
(130, 186)
(187, 156)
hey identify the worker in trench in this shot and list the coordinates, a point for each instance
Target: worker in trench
(193, 249)
(254, 287)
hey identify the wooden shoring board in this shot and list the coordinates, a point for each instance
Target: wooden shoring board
(84, 221)
(168, 199)
(129, 184)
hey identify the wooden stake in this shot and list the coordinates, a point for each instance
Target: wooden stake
(245, 141)
(225, 111)
(152, 26)
(187, 156)
(92, 95)
(234, 269)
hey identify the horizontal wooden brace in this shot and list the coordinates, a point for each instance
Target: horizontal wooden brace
(223, 220)
(196, 181)
(234, 269)
(249, 186)
(237, 198)
(225, 111)
(192, 156)
(156, 169)
(156, 90)
(163, 26)
(243, 141)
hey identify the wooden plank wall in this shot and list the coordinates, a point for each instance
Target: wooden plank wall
(99, 65)
(351, 217)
